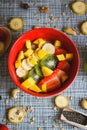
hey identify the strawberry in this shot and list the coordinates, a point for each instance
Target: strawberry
(3, 127)
(52, 82)
(60, 51)
(61, 75)
(64, 65)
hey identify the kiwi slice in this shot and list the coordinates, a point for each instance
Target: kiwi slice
(34, 75)
(49, 61)
(38, 70)
(79, 7)
(16, 23)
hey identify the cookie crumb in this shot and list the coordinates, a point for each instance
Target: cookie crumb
(54, 126)
(70, 97)
(6, 101)
(39, 128)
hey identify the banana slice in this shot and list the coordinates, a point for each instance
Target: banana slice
(79, 7)
(21, 72)
(49, 48)
(26, 65)
(61, 101)
(16, 23)
(16, 115)
(84, 27)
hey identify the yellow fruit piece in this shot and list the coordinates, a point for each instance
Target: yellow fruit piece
(61, 57)
(33, 61)
(84, 27)
(79, 7)
(61, 101)
(41, 53)
(40, 44)
(46, 71)
(17, 63)
(28, 44)
(35, 88)
(28, 82)
(44, 88)
(28, 52)
(39, 40)
(20, 55)
(16, 115)
(34, 55)
(69, 56)
(57, 43)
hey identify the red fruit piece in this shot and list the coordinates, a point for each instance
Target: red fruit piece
(3, 127)
(52, 82)
(61, 75)
(64, 65)
(60, 51)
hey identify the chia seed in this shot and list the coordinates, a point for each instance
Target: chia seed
(75, 117)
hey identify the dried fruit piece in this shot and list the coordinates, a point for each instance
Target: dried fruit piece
(24, 5)
(61, 101)
(84, 104)
(79, 7)
(44, 9)
(16, 115)
(84, 28)
(16, 23)
(69, 31)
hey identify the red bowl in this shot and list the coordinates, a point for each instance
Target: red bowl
(52, 35)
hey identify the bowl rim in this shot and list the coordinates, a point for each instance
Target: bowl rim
(54, 93)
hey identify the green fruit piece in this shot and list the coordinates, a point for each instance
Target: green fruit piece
(49, 61)
(33, 74)
(38, 70)
(85, 66)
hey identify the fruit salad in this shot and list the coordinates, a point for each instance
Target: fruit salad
(43, 66)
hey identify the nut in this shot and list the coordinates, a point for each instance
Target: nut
(14, 93)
